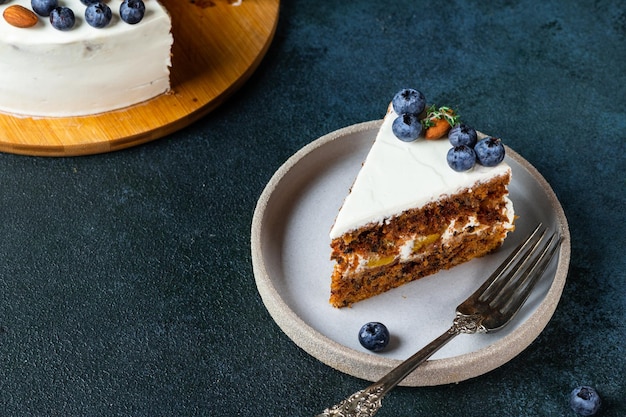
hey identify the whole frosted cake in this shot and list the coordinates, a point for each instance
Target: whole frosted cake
(47, 71)
(417, 205)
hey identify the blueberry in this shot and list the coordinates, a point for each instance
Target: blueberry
(462, 135)
(62, 18)
(489, 151)
(374, 336)
(132, 11)
(585, 401)
(408, 100)
(406, 127)
(98, 15)
(43, 7)
(88, 2)
(461, 158)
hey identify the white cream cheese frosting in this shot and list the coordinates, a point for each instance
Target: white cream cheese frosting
(51, 73)
(397, 176)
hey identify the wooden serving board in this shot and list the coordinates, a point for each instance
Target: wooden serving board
(217, 47)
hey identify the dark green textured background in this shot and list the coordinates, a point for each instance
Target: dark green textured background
(126, 286)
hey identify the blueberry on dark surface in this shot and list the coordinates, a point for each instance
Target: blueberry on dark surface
(462, 135)
(43, 7)
(461, 158)
(489, 152)
(408, 100)
(98, 15)
(132, 11)
(585, 401)
(374, 336)
(406, 127)
(62, 18)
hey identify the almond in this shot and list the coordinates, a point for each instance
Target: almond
(19, 16)
(437, 129)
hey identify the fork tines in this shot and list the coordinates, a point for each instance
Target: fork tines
(511, 284)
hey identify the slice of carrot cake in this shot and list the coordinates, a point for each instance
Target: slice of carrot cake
(419, 206)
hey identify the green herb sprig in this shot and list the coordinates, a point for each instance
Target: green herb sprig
(442, 112)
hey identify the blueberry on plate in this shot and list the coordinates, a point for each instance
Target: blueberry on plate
(43, 7)
(374, 336)
(585, 400)
(408, 100)
(461, 158)
(489, 151)
(406, 127)
(62, 18)
(132, 11)
(462, 134)
(98, 15)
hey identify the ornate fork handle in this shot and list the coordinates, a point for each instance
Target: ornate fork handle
(366, 402)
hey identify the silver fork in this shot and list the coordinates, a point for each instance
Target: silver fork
(489, 308)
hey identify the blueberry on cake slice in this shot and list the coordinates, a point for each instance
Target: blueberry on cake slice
(423, 201)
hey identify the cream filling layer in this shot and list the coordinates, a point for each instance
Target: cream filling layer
(416, 247)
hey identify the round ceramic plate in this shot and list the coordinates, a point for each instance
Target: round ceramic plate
(290, 254)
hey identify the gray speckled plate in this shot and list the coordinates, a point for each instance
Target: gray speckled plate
(290, 255)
